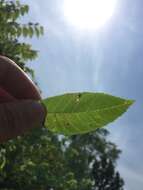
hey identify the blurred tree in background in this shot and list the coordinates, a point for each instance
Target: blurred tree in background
(11, 30)
(42, 160)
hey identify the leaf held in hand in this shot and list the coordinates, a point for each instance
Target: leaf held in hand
(78, 113)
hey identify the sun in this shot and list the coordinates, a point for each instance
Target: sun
(89, 14)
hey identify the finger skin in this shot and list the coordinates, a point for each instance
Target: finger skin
(15, 81)
(5, 96)
(17, 118)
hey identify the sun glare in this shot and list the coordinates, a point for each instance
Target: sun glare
(88, 14)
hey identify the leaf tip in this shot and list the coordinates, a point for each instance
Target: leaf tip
(130, 102)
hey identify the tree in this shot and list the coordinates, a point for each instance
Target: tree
(104, 175)
(92, 159)
(42, 160)
(11, 30)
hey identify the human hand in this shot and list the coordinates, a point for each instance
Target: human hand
(20, 109)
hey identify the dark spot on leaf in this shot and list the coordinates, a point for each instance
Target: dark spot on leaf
(68, 124)
(78, 97)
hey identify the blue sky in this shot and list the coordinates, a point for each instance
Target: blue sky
(108, 60)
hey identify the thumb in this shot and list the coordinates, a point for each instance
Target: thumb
(17, 118)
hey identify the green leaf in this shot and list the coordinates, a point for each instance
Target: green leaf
(24, 9)
(41, 30)
(79, 113)
(30, 31)
(25, 31)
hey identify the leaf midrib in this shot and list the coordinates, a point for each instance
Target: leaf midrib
(96, 110)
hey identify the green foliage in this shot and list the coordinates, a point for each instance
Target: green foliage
(43, 161)
(82, 112)
(11, 29)
(82, 154)
(106, 170)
